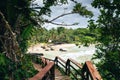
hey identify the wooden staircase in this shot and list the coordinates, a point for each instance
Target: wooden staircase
(52, 70)
(58, 74)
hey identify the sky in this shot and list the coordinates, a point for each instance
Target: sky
(69, 19)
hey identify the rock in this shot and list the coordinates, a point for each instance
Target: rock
(62, 50)
(51, 49)
(46, 49)
(43, 47)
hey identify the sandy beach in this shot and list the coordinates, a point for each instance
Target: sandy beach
(38, 47)
(81, 54)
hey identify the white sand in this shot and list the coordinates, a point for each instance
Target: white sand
(37, 48)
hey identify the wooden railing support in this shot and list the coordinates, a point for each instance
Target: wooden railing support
(52, 73)
(88, 71)
(68, 67)
(56, 61)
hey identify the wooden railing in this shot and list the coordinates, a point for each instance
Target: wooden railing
(89, 72)
(74, 68)
(61, 64)
(48, 72)
(71, 67)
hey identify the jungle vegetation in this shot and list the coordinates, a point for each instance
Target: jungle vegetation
(21, 19)
(108, 49)
(79, 36)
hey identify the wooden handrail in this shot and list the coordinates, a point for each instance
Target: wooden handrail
(61, 64)
(87, 71)
(41, 75)
(57, 57)
(91, 71)
(74, 69)
(76, 63)
(67, 66)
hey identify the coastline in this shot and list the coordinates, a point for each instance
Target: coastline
(38, 47)
(81, 54)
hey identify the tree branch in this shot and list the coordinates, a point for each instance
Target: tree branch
(62, 16)
(74, 1)
(51, 21)
(63, 24)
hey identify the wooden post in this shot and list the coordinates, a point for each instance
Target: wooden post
(83, 72)
(87, 75)
(52, 71)
(56, 61)
(68, 67)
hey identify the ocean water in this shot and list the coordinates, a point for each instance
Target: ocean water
(81, 54)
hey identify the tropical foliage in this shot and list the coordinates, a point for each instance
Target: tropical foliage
(108, 49)
(63, 35)
(18, 21)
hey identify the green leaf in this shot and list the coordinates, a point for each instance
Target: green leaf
(27, 33)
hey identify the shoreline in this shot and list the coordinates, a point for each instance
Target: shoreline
(39, 47)
(81, 54)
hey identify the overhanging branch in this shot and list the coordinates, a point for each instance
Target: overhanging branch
(62, 16)
(63, 24)
(51, 21)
